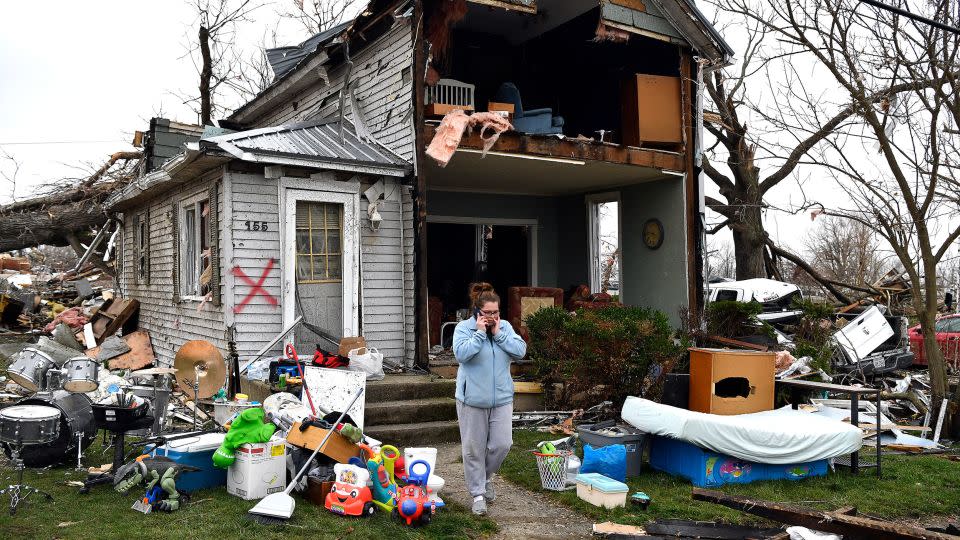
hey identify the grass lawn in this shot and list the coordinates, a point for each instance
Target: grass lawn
(212, 514)
(912, 487)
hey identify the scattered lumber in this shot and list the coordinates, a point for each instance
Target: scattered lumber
(841, 521)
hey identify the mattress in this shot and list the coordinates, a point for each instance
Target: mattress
(780, 436)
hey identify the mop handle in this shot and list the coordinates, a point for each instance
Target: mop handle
(323, 442)
(292, 354)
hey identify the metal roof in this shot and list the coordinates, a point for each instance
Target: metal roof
(285, 59)
(314, 143)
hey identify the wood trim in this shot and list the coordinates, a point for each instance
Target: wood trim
(690, 184)
(516, 143)
(507, 5)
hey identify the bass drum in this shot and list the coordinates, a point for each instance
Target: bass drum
(76, 417)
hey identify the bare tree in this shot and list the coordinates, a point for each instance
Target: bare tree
(215, 54)
(846, 253)
(897, 158)
(10, 171)
(317, 15)
(721, 262)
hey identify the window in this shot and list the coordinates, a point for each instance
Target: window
(319, 242)
(141, 248)
(726, 295)
(949, 324)
(195, 270)
(604, 214)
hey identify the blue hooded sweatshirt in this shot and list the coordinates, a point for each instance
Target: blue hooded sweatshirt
(483, 379)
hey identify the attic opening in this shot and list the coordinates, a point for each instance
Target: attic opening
(567, 69)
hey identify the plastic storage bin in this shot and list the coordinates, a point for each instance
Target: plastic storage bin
(599, 490)
(631, 438)
(705, 468)
(197, 452)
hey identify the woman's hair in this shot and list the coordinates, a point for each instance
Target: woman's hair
(481, 293)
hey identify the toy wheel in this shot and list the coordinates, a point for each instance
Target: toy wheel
(368, 509)
(425, 517)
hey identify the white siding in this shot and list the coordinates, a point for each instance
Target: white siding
(384, 92)
(384, 264)
(169, 323)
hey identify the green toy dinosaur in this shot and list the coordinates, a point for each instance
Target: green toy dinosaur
(154, 471)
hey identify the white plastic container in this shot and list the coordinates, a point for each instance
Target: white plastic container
(259, 470)
(420, 454)
(600, 490)
(224, 411)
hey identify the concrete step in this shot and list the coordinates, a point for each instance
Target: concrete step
(418, 434)
(407, 387)
(410, 411)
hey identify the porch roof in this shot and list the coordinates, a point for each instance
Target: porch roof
(327, 143)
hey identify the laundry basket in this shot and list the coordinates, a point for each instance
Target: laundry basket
(553, 470)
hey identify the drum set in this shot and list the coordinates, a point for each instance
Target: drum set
(22, 425)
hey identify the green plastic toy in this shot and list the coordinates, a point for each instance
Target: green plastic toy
(247, 427)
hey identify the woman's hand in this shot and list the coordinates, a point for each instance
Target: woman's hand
(494, 324)
(481, 323)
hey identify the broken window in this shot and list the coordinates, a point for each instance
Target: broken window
(319, 241)
(727, 295)
(604, 214)
(141, 248)
(195, 270)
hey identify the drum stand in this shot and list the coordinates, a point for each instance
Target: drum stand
(14, 491)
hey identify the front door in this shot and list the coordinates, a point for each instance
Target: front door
(319, 266)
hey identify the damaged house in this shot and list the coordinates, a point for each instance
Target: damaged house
(316, 197)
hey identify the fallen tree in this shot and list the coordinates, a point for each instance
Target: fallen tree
(67, 212)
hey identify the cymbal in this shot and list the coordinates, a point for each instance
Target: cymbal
(154, 371)
(200, 358)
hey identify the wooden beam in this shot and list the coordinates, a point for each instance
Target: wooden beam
(421, 301)
(850, 526)
(517, 143)
(507, 5)
(691, 186)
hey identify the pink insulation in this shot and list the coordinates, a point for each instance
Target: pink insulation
(455, 123)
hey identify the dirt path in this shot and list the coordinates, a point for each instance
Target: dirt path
(518, 512)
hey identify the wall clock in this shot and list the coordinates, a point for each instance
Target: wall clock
(653, 233)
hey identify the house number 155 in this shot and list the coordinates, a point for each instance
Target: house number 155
(256, 225)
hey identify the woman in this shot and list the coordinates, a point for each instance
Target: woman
(484, 346)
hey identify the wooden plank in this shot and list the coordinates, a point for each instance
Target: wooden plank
(847, 525)
(140, 355)
(516, 143)
(814, 385)
(337, 448)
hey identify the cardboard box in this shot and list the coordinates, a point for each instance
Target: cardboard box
(726, 381)
(349, 343)
(260, 469)
(337, 447)
(650, 106)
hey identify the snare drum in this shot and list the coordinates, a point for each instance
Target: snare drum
(29, 424)
(82, 374)
(76, 418)
(30, 368)
(55, 379)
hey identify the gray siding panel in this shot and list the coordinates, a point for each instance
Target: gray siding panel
(169, 323)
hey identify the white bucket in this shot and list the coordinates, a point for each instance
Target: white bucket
(420, 454)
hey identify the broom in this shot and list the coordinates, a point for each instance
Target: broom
(276, 508)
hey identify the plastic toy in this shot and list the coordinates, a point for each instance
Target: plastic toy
(640, 499)
(413, 500)
(350, 495)
(158, 473)
(389, 455)
(384, 491)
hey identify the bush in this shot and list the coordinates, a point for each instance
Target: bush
(601, 354)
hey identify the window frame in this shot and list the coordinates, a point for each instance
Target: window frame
(141, 248)
(195, 203)
(593, 202)
(326, 253)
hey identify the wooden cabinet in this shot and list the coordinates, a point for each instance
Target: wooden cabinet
(724, 381)
(651, 110)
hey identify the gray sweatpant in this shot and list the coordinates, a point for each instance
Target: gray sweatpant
(486, 436)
